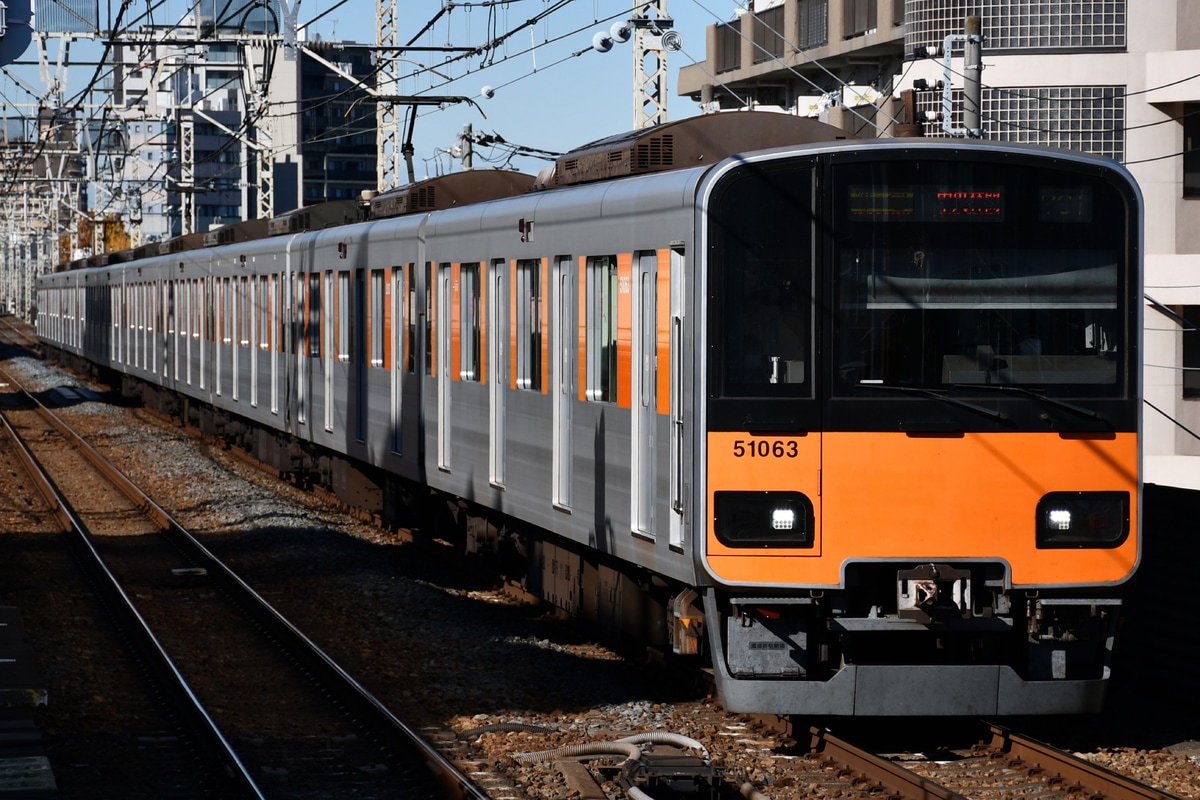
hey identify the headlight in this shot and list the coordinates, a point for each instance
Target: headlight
(1082, 519)
(763, 519)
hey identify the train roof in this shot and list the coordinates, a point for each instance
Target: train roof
(316, 217)
(692, 142)
(449, 191)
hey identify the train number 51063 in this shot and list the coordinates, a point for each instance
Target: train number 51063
(765, 448)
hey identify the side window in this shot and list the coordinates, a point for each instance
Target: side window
(226, 311)
(314, 315)
(430, 313)
(601, 328)
(265, 289)
(244, 310)
(378, 317)
(345, 315)
(469, 331)
(529, 324)
(410, 315)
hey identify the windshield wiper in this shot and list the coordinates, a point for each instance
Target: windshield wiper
(1054, 402)
(930, 393)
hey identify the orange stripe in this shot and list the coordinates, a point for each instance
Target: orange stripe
(662, 316)
(625, 330)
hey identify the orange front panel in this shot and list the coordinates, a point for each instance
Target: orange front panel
(944, 498)
(738, 461)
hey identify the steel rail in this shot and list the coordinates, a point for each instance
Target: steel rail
(897, 780)
(1100, 782)
(168, 678)
(449, 779)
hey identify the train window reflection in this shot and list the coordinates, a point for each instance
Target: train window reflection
(762, 239)
(1027, 298)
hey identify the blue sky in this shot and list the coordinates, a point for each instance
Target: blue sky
(552, 91)
(546, 97)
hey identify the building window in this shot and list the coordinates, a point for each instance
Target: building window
(1024, 26)
(529, 325)
(1087, 118)
(469, 327)
(602, 328)
(861, 18)
(768, 35)
(813, 19)
(1191, 149)
(729, 46)
(1191, 352)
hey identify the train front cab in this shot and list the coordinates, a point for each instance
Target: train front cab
(920, 429)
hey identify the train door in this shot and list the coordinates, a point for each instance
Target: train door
(272, 338)
(400, 352)
(563, 376)
(328, 321)
(359, 355)
(170, 344)
(304, 315)
(237, 333)
(643, 393)
(443, 363)
(188, 326)
(254, 298)
(498, 344)
(675, 356)
(221, 333)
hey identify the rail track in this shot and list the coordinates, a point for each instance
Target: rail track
(248, 706)
(1002, 765)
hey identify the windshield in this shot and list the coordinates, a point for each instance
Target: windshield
(971, 273)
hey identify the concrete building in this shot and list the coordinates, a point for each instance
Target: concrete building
(1113, 77)
(200, 122)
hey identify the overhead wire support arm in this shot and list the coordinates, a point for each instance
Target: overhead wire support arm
(972, 42)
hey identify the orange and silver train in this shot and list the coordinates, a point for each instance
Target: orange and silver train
(856, 421)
